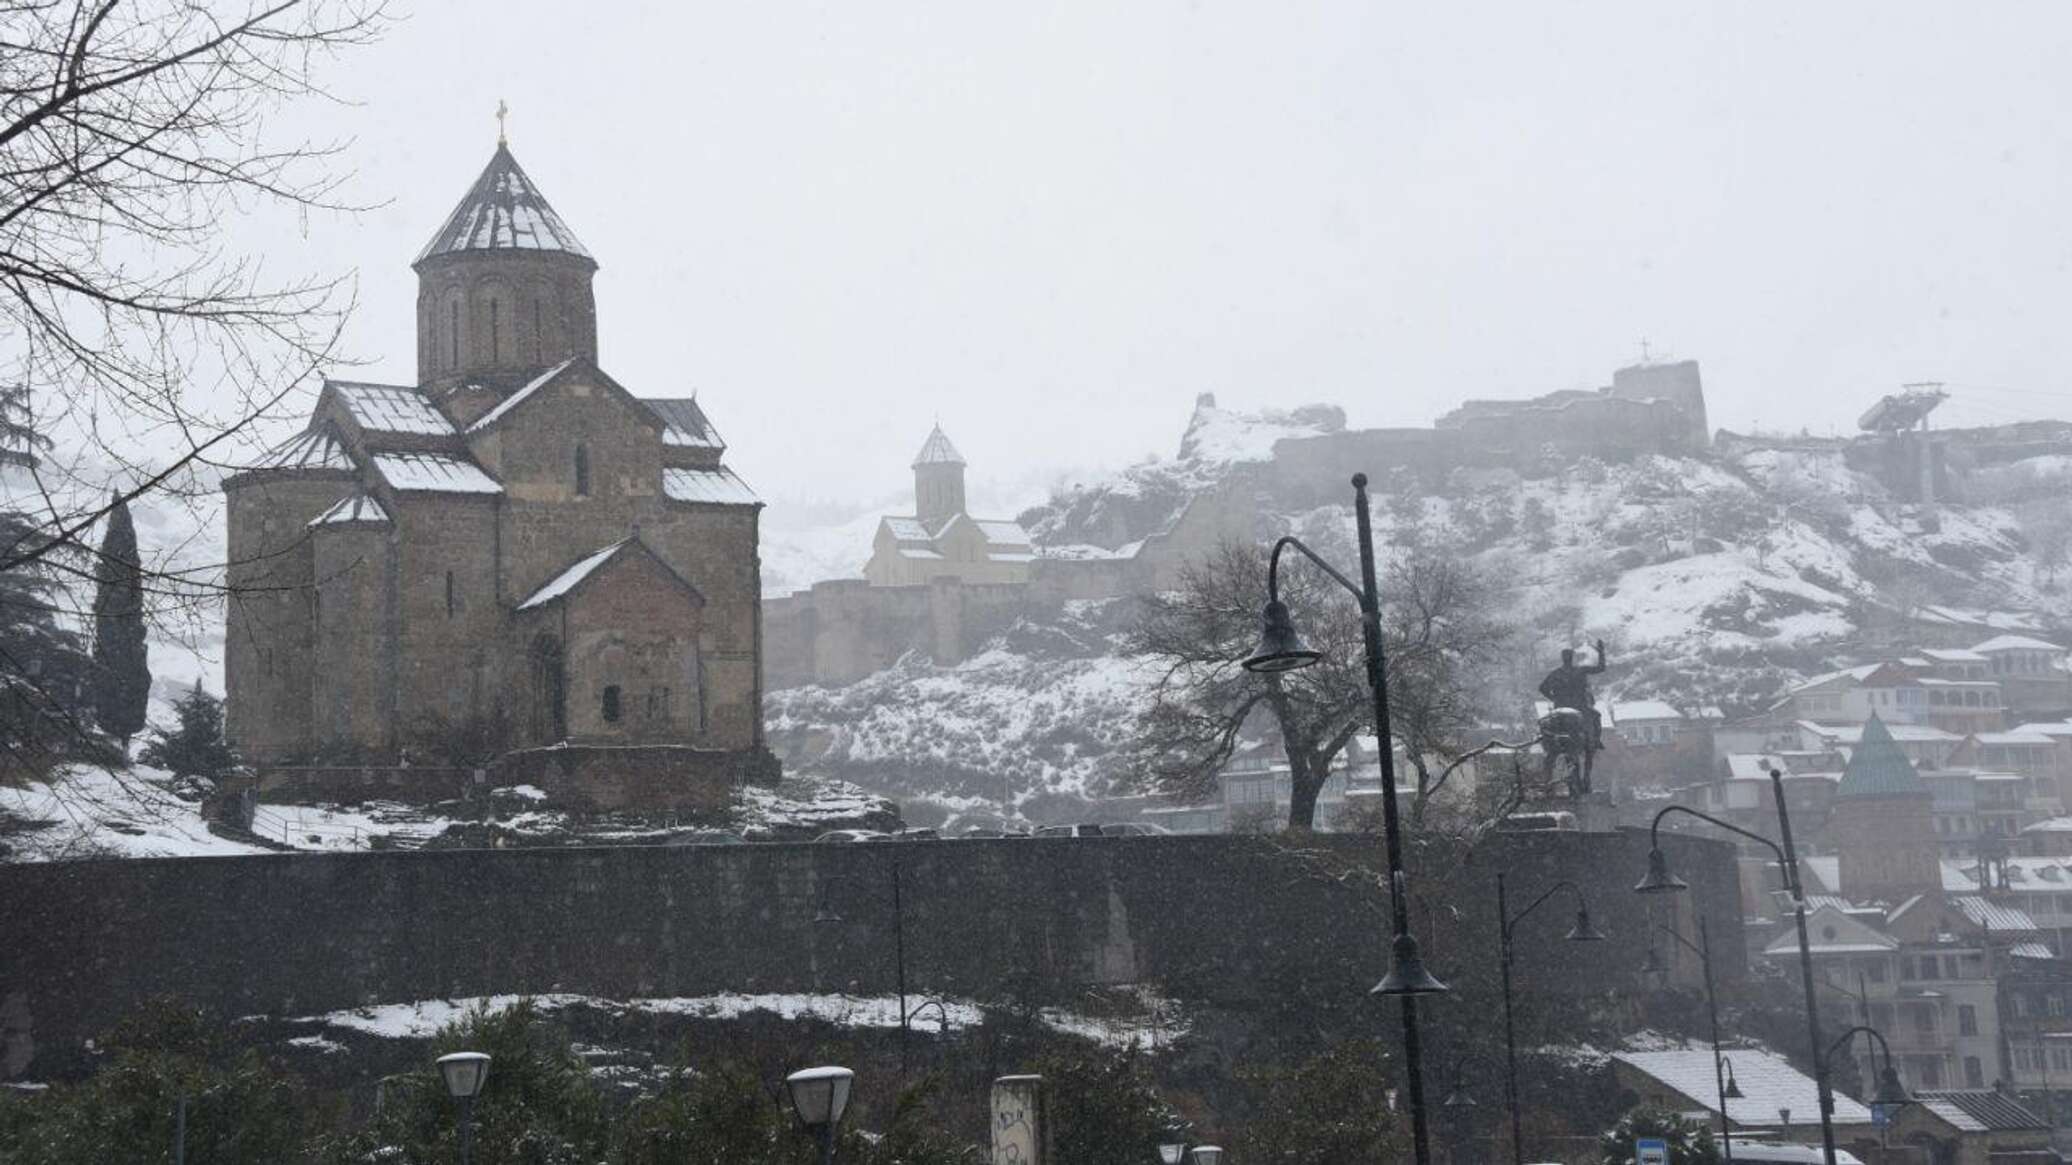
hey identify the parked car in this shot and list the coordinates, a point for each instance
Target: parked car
(907, 835)
(1087, 829)
(841, 835)
(992, 831)
(706, 837)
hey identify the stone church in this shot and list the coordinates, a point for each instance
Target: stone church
(941, 539)
(514, 551)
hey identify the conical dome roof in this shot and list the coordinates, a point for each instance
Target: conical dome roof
(937, 450)
(503, 211)
(1878, 768)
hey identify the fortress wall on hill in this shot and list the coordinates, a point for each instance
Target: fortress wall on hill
(1225, 921)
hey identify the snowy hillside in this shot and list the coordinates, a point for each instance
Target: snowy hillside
(1716, 580)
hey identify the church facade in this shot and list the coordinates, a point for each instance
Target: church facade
(515, 551)
(941, 540)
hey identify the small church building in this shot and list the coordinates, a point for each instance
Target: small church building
(942, 540)
(514, 551)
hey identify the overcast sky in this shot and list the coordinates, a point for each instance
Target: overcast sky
(1054, 224)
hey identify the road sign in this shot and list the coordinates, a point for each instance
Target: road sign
(1650, 1151)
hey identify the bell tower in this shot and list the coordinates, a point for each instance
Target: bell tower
(938, 481)
(503, 292)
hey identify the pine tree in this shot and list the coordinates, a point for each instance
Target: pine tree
(195, 747)
(121, 682)
(43, 663)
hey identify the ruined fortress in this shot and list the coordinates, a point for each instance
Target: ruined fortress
(842, 630)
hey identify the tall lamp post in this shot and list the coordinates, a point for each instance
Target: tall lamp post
(819, 1097)
(826, 914)
(1507, 927)
(1722, 1071)
(1280, 650)
(464, 1073)
(1660, 881)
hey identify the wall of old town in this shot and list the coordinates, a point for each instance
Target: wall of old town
(1224, 921)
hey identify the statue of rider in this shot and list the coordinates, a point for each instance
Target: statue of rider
(1568, 686)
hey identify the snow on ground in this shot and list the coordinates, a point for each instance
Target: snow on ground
(85, 811)
(1161, 1024)
(795, 559)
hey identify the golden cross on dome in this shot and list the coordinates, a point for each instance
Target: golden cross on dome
(501, 111)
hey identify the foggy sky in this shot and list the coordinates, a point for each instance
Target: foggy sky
(1053, 224)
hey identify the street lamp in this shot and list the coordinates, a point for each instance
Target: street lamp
(1722, 1071)
(1206, 1155)
(1891, 1094)
(465, 1073)
(819, 1096)
(1172, 1153)
(1281, 649)
(1507, 923)
(1660, 880)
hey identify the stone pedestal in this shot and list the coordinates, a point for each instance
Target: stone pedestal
(1020, 1124)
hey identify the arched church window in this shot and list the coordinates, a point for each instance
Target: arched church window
(453, 333)
(496, 334)
(582, 471)
(539, 333)
(450, 603)
(611, 704)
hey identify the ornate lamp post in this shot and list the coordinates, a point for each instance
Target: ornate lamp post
(1722, 1070)
(464, 1073)
(1891, 1094)
(1281, 649)
(1172, 1153)
(1581, 932)
(1660, 881)
(819, 1097)
(1205, 1155)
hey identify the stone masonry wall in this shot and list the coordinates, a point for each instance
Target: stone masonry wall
(1227, 921)
(269, 617)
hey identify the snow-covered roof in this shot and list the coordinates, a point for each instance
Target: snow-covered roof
(503, 211)
(921, 553)
(2050, 728)
(684, 424)
(2049, 825)
(318, 448)
(569, 579)
(1768, 1083)
(937, 450)
(1753, 766)
(390, 408)
(908, 529)
(1627, 711)
(566, 581)
(2015, 737)
(1991, 915)
(434, 473)
(1952, 655)
(707, 486)
(1978, 1110)
(1938, 682)
(2014, 643)
(1851, 734)
(1003, 533)
(504, 406)
(1970, 617)
(1856, 674)
(354, 507)
(1831, 930)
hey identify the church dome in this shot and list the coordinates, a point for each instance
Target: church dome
(504, 211)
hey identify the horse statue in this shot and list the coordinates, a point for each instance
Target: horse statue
(1570, 734)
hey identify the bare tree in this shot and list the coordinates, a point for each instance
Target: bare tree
(131, 133)
(1437, 634)
(135, 335)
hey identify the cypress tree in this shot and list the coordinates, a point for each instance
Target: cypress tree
(121, 687)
